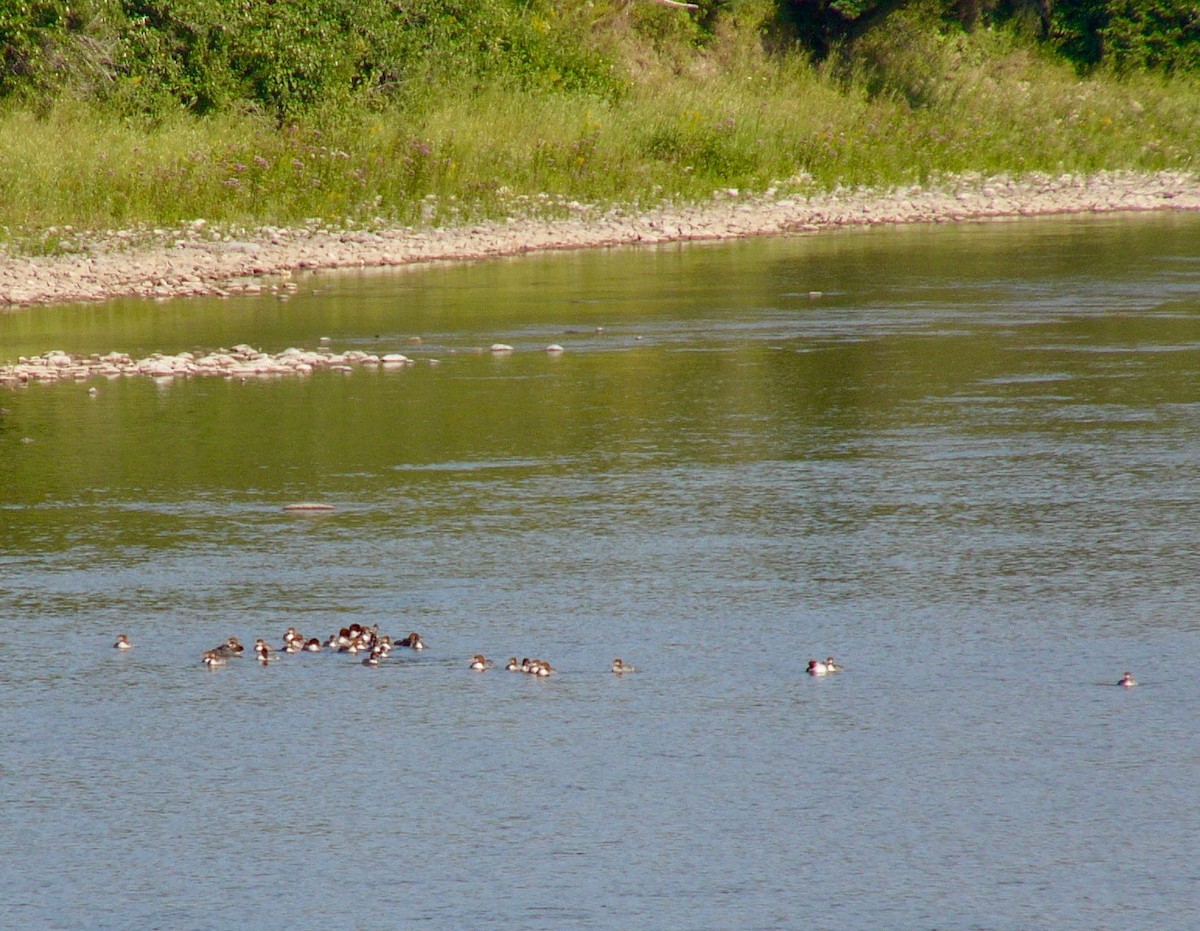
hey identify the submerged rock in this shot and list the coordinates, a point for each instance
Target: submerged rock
(241, 362)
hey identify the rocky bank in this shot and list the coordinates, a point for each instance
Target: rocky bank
(198, 260)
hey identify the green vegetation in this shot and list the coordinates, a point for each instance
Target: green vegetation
(1161, 35)
(121, 113)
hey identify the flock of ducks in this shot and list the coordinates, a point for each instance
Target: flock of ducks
(357, 639)
(353, 639)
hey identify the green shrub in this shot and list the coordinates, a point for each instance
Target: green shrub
(48, 47)
(288, 58)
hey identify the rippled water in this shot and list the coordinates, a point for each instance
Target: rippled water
(962, 460)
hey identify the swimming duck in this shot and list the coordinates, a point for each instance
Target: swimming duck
(231, 647)
(413, 641)
(831, 666)
(313, 646)
(123, 642)
(212, 658)
(292, 635)
(1127, 681)
(817, 668)
(372, 659)
(480, 663)
(512, 665)
(619, 666)
(263, 649)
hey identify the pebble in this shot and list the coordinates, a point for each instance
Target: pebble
(240, 362)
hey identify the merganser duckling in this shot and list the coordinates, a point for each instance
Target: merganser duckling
(619, 666)
(480, 663)
(512, 665)
(212, 658)
(413, 641)
(1127, 681)
(231, 647)
(372, 659)
(291, 636)
(262, 648)
(313, 646)
(831, 666)
(543, 668)
(123, 642)
(817, 668)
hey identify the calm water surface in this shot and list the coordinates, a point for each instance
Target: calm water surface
(968, 468)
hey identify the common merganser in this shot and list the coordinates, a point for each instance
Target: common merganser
(413, 641)
(231, 647)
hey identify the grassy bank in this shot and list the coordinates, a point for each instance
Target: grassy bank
(677, 119)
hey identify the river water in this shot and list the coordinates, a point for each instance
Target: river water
(963, 460)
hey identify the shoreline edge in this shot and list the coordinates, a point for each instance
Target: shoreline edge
(197, 261)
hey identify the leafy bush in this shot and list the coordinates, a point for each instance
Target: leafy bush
(287, 58)
(47, 45)
(1157, 35)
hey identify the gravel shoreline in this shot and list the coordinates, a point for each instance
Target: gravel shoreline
(199, 261)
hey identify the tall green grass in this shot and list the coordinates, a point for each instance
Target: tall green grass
(692, 117)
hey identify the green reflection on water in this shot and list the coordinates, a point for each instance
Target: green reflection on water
(709, 353)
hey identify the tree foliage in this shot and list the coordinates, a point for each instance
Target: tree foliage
(1162, 35)
(284, 57)
(1159, 35)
